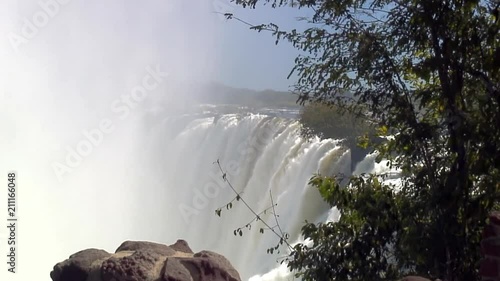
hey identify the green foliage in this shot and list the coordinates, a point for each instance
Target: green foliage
(362, 239)
(328, 121)
(428, 73)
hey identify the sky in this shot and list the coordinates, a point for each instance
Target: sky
(250, 59)
(222, 50)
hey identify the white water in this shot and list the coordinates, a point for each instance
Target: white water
(264, 154)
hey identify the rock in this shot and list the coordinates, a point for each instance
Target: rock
(218, 263)
(175, 271)
(181, 246)
(78, 266)
(143, 245)
(138, 266)
(145, 261)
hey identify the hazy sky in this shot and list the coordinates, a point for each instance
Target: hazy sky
(251, 59)
(123, 32)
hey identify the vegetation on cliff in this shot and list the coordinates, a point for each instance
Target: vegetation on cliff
(328, 121)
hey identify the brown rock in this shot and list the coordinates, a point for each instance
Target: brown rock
(78, 266)
(182, 246)
(210, 266)
(138, 266)
(175, 271)
(216, 262)
(145, 261)
(144, 245)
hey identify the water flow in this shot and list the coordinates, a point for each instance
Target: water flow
(262, 156)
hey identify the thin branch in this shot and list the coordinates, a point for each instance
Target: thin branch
(257, 217)
(237, 198)
(230, 16)
(275, 215)
(250, 208)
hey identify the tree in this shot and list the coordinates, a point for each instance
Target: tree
(427, 72)
(330, 122)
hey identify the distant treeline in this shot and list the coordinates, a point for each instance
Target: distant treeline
(328, 121)
(221, 94)
(319, 119)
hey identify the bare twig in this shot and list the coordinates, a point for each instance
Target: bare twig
(275, 215)
(230, 16)
(283, 237)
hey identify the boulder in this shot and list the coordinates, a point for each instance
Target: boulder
(210, 266)
(146, 246)
(174, 270)
(181, 246)
(145, 261)
(78, 266)
(141, 265)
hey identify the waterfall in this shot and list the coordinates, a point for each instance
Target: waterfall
(262, 156)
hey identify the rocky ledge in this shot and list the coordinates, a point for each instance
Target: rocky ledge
(145, 261)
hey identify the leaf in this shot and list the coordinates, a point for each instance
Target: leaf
(382, 130)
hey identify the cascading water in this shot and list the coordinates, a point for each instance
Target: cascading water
(262, 156)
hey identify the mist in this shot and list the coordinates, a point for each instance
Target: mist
(67, 69)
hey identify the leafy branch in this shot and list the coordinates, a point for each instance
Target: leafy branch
(276, 229)
(230, 16)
